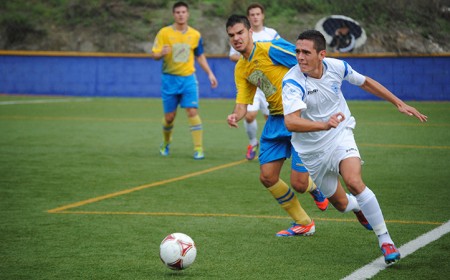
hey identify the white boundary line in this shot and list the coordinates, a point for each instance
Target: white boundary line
(40, 101)
(377, 265)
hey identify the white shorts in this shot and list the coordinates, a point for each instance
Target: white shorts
(259, 103)
(323, 166)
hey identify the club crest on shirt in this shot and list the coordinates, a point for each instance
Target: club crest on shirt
(335, 87)
(180, 52)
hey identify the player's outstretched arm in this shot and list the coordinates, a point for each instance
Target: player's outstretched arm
(205, 66)
(374, 87)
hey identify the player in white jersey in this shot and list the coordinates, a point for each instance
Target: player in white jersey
(322, 125)
(255, 14)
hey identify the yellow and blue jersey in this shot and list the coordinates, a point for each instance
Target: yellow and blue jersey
(265, 69)
(185, 45)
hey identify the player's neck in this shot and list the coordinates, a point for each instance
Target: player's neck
(257, 29)
(317, 73)
(180, 27)
(248, 51)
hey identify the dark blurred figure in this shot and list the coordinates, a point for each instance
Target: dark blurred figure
(343, 40)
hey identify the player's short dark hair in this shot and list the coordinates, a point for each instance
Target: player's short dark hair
(235, 19)
(315, 36)
(255, 5)
(179, 4)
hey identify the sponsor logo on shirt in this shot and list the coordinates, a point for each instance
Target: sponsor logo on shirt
(312, 91)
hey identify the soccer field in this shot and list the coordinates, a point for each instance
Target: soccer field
(86, 195)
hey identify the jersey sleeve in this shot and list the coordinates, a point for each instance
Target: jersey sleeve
(198, 51)
(293, 95)
(283, 53)
(352, 76)
(158, 43)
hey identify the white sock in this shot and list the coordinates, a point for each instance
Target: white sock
(372, 211)
(352, 204)
(384, 238)
(251, 129)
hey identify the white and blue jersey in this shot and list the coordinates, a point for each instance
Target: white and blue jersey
(318, 100)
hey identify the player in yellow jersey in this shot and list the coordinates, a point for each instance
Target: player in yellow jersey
(255, 15)
(178, 44)
(263, 65)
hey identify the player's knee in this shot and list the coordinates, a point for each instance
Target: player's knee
(191, 112)
(267, 180)
(299, 185)
(355, 185)
(340, 205)
(169, 118)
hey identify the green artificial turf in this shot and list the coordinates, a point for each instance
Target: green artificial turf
(86, 195)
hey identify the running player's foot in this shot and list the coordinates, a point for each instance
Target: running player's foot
(164, 149)
(362, 219)
(198, 153)
(251, 151)
(390, 252)
(320, 200)
(298, 230)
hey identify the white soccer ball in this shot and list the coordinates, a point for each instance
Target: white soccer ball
(177, 251)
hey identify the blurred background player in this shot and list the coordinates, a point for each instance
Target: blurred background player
(263, 65)
(178, 44)
(255, 15)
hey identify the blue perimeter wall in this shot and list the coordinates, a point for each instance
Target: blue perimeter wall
(410, 78)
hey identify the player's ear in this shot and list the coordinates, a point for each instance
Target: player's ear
(322, 54)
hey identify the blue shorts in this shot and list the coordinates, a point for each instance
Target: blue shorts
(179, 90)
(297, 163)
(276, 143)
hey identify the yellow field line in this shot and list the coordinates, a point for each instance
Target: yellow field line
(225, 215)
(127, 191)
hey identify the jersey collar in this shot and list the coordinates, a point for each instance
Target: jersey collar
(253, 52)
